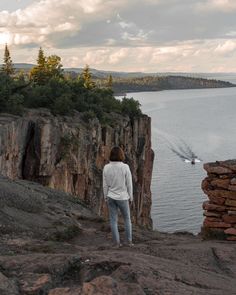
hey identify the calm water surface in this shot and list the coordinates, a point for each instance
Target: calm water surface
(202, 120)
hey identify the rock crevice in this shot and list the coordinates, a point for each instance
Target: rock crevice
(68, 154)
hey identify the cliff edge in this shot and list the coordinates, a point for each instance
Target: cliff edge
(52, 244)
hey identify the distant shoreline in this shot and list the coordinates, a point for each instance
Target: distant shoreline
(122, 87)
(127, 82)
(137, 91)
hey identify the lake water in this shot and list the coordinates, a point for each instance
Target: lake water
(201, 120)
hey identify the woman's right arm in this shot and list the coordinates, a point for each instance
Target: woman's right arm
(129, 183)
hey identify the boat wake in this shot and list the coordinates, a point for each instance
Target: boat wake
(184, 152)
(180, 148)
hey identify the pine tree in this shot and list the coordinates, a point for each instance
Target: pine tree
(87, 77)
(38, 73)
(110, 81)
(7, 66)
(41, 60)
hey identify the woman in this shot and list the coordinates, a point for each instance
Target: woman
(118, 190)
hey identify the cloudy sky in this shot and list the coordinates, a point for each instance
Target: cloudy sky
(123, 35)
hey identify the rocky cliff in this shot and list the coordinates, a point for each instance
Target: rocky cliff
(68, 154)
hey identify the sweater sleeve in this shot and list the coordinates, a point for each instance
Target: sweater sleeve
(105, 186)
(129, 183)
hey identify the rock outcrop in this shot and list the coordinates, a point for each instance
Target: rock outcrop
(36, 211)
(68, 154)
(39, 254)
(220, 209)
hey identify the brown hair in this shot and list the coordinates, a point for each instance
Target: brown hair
(117, 154)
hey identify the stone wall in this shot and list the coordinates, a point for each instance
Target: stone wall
(68, 154)
(220, 209)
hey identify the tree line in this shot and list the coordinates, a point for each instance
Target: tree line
(158, 83)
(47, 86)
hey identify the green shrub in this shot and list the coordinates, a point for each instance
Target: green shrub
(89, 115)
(130, 107)
(62, 105)
(14, 104)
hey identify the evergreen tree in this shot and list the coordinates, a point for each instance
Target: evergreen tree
(87, 77)
(110, 81)
(38, 74)
(7, 66)
(41, 60)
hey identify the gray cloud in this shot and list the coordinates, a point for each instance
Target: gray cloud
(147, 22)
(160, 32)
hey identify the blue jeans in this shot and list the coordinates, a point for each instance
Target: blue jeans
(114, 206)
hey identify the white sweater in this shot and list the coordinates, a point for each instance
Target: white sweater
(117, 181)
